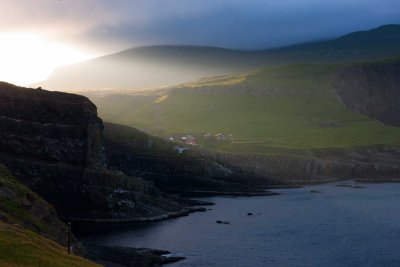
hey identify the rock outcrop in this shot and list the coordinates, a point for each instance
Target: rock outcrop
(131, 257)
(53, 143)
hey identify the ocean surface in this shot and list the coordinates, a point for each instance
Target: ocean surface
(339, 226)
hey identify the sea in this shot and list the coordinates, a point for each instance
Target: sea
(318, 225)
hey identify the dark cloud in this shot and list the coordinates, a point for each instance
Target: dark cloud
(113, 25)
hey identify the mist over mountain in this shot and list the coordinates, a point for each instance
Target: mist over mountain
(156, 66)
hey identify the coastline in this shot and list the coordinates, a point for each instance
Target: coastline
(266, 215)
(155, 256)
(165, 216)
(147, 256)
(199, 193)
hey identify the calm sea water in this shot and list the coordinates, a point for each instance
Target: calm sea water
(337, 227)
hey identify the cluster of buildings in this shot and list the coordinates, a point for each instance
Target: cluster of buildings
(187, 140)
(192, 140)
(219, 136)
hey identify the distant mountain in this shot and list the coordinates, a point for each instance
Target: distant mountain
(377, 43)
(155, 66)
(150, 67)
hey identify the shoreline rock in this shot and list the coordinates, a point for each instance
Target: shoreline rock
(315, 191)
(349, 186)
(130, 257)
(165, 216)
(198, 193)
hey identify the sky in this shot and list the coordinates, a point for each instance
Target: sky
(37, 36)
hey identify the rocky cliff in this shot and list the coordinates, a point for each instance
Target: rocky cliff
(371, 89)
(53, 143)
(53, 127)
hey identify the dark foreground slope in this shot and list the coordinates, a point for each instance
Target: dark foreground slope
(30, 232)
(169, 65)
(53, 143)
(32, 235)
(20, 247)
(20, 205)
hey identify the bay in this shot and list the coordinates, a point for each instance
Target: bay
(319, 225)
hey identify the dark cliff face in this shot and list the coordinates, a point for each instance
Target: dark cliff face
(371, 89)
(53, 143)
(49, 126)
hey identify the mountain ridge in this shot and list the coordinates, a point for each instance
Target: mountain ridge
(154, 66)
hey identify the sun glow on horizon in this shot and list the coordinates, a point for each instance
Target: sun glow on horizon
(26, 58)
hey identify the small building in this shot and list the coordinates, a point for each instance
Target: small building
(192, 143)
(220, 136)
(180, 149)
(189, 140)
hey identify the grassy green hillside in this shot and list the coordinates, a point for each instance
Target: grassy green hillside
(20, 205)
(290, 107)
(20, 247)
(26, 223)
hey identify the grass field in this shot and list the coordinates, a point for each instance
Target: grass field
(22, 209)
(21, 247)
(287, 107)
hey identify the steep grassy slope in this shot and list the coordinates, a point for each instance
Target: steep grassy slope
(168, 65)
(20, 205)
(291, 107)
(20, 247)
(29, 228)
